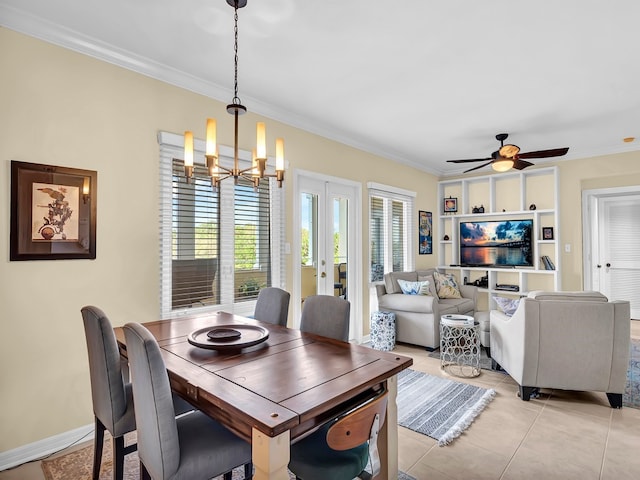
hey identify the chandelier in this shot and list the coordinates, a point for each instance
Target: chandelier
(258, 167)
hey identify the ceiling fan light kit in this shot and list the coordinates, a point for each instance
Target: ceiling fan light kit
(508, 156)
(502, 165)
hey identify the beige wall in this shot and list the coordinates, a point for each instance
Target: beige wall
(62, 108)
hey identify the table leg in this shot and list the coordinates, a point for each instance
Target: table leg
(270, 455)
(388, 436)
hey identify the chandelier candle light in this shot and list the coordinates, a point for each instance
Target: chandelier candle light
(258, 167)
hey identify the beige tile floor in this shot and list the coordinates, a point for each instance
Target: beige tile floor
(561, 435)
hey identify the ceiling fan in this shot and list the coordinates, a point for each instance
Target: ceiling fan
(508, 156)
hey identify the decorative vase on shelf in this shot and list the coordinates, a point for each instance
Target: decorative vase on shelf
(481, 209)
(445, 238)
(532, 206)
(474, 209)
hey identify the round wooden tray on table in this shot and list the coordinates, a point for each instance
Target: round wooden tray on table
(228, 337)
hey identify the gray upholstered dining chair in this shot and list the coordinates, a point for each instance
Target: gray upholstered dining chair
(111, 393)
(272, 306)
(112, 396)
(326, 315)
(192, 446)
(342, 448)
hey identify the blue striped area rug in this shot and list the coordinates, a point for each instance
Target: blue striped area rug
(438, 407)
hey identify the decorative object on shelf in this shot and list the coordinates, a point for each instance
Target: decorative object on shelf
(509, 156)
(547, 233)
(532, 206)
(481, 209)
(548, 264)
(503, 210)
(450, 205)
(446, 238)
(218, 172)
(474, 209)
(53, 212)
(425, 224)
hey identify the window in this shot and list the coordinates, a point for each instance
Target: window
(391, 230)
(200, 227)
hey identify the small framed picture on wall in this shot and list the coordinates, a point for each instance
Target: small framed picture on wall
(450, 205)
(547, 233)
(425, 224)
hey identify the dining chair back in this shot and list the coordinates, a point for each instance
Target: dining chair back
(112, 396)
(192, 446)
(342, 448)
(326, 315)
(272, 306)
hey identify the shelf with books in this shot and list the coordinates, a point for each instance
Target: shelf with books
(530, 195)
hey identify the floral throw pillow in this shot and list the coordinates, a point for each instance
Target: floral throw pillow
(507, 306)
(414, 288)
(446, 285)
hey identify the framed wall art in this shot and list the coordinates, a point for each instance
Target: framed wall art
(547, 233)
(53, 212)
(425, 224)
(450, 205)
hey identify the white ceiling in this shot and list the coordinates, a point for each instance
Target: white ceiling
(416, 81)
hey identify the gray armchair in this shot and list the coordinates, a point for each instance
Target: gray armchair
(564, 340)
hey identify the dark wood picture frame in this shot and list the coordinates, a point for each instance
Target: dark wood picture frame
(53, 212)
(547, 233)
(450, 205)
(425, 230)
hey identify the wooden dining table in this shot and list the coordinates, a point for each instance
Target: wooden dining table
(276, 391)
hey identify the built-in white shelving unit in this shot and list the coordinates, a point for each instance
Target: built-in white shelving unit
(503, 196)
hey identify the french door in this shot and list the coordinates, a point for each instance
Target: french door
(615, 258)
(325, 243)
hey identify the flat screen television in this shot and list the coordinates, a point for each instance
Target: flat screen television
(499, 243)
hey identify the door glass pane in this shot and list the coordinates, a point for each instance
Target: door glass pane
(340, 246)
(309, 244)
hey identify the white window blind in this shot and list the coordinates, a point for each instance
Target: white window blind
(391, 213)
(217, 249)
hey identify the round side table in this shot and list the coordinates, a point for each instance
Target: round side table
(460, 345)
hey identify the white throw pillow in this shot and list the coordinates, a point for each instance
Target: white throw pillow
(508, 306)
(414, 288)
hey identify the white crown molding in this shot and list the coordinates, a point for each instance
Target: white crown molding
(37, 27)
(32, 25)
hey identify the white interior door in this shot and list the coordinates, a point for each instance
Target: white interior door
(612, 258)
(325, 244)
(618, 260)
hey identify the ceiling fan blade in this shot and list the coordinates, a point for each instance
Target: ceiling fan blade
(554, 152)
(479, 166)
(520, 164)
(470, 160)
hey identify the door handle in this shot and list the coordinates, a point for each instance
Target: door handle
(608, 265)
(599, 266)
(323, 275)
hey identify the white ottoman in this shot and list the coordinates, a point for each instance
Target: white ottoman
(383, 330)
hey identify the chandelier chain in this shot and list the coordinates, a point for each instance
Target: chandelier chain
(236, 99)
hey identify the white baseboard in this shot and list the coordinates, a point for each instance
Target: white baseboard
(46, 446)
